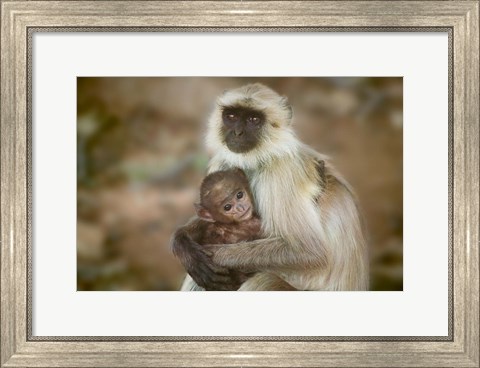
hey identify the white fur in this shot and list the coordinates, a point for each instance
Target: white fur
(285, 186)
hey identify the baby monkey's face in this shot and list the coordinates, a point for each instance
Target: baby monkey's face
(235, 206)
(225, 197)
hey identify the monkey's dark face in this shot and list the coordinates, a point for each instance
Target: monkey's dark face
(242, 128)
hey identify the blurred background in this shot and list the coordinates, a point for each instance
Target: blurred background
(141, 158)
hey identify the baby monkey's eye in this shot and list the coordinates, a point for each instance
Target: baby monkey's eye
(227, 207)
(240, 195)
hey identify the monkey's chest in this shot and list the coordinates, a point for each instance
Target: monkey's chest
(284, 201)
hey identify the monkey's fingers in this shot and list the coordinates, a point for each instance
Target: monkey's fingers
(217, 275)
(208, 252)
(219, 270)
(211, 249)
(210, 267)
(240, 277)
(211, 281)
(207, 275)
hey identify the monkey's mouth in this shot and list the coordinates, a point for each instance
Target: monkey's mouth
(240, 145)
(246, 214)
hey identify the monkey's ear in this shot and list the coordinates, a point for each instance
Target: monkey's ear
(290, 111)
(321, 170)
(288, 107)
(203, 213)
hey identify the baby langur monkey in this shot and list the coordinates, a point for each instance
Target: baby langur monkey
(227, 216)
(227, 209)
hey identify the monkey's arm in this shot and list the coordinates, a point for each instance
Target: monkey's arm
(265, 255)
(199, 264)
(273, 253)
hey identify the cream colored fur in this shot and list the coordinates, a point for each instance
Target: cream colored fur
(315, 238)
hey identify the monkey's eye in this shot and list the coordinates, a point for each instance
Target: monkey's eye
(254, 120)
(240, 195)
(231, 117)
(227, 207)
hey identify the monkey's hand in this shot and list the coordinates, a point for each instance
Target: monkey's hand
(198, 263)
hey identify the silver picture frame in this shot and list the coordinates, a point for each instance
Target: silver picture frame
(20, 20)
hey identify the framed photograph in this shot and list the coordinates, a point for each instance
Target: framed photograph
(320, 157)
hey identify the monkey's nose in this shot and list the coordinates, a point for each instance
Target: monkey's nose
(238, 132)
(240, 207)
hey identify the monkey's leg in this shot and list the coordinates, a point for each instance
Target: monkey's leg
(264, 281)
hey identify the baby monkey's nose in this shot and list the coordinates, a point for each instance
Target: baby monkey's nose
(240, 207)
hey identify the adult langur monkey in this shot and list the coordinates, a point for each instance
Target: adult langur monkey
(315, 238)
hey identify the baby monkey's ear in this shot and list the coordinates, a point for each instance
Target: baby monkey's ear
(203, 213)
